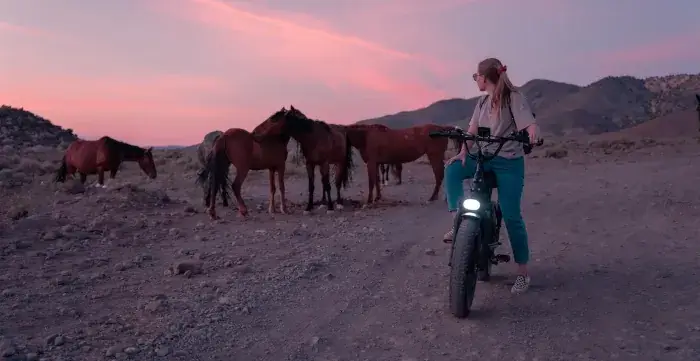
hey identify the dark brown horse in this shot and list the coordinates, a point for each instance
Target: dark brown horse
(203, 150)
(391, 146)
(246, 152)
(103, 155)
(321, 145)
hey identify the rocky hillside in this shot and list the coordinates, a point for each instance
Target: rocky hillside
(607, 105)
(21, 128)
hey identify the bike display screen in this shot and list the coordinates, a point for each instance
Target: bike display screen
(484, 132)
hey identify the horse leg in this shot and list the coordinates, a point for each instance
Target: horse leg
(371, 179)
(83, 177)
(326, 182)
(378, 184)
(398, 168)
(310, 168)
(339, 173)
(283, 199)
(439, 171)
(101, 178)
(241, 174)
(271, 203)
(224, 200)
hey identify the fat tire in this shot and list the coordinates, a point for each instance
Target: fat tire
(463, 275)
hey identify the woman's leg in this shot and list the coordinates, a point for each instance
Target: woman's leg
(455, 174)
(510, 176)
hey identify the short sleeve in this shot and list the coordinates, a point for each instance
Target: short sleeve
(522, 112)
(477, 111)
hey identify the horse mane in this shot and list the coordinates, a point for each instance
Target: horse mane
(128, 150)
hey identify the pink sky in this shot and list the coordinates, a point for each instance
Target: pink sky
(157, 72)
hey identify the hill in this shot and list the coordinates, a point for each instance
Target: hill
(21, 128)
(607, 105)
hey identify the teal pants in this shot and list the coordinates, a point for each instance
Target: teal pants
(510, 177)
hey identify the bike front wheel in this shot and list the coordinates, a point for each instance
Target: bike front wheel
(463, 273)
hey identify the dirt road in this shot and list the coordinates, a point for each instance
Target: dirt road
(615, 265)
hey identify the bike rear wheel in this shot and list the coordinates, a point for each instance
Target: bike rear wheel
(463, 273)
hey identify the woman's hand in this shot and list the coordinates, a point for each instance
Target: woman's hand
(534, 131)
(462, 156)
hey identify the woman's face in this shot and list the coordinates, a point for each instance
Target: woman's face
(480, 81)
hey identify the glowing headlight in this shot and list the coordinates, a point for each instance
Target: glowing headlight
(471, 204)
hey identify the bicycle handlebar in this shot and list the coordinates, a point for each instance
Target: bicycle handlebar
(463, 136)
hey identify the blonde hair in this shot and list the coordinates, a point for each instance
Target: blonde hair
(495, 72)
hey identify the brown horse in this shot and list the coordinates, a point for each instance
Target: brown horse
(383, 167)
(103, 155)
(203, 150)
(321, 145)
(391, 146)
(246, 152)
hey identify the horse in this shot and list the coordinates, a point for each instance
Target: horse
(246, 152)
(397, 168)
(203, 150)
(392, 146)
(103, 155)
(321, 145)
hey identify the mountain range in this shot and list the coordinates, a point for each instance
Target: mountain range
(607, 105)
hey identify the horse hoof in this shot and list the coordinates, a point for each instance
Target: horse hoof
(306, 213)
(339, 207)
(365, 206)
(330, 211)
(322, 206)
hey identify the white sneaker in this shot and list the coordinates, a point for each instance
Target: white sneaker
(522, 283)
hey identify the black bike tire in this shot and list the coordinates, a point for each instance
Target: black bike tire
(463, 275)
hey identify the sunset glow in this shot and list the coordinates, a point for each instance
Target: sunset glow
(157, 72)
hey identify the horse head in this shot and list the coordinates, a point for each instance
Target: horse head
(147, 164)
(298, 122)
(273, 126)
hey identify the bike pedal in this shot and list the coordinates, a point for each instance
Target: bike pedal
(502, 258)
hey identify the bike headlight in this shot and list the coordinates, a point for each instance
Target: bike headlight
(471, 204)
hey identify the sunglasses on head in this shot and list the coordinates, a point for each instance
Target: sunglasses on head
(475, 75)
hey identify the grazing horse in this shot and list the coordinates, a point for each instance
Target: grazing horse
(321, 145)
(246, 152)
(102, 155)
(391, 146)
(203, 150)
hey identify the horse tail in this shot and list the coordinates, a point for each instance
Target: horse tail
(62, 171)
(348, 162)
(214, 175)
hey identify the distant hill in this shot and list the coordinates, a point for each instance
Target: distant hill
(607, 105)
(21, 128)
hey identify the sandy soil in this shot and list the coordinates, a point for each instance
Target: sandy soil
(86, 274)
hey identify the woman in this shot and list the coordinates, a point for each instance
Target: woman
(494, 111)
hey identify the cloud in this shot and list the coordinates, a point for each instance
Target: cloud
(679, 47)
(160, 108)
(288, 49)
(6, 27)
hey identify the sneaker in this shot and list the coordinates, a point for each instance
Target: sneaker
(449, 236)
(522, 283)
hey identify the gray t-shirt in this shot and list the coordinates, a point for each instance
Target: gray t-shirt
(503, 125)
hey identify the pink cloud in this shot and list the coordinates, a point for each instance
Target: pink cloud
(669, 49)
(310, 50)
(143, 110)
(25, 30)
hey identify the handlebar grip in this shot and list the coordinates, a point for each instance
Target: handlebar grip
(435, 134)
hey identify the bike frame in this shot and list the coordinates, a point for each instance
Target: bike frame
(481, 190)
